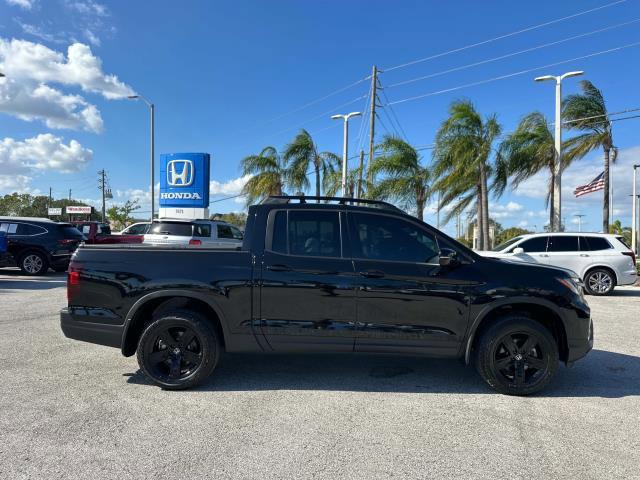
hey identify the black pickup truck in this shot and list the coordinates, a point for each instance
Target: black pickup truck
(320, 274)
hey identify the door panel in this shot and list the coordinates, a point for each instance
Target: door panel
(404, 304)
(563, 251)
(307, 299)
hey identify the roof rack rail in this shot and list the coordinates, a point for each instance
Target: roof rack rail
(283, 199)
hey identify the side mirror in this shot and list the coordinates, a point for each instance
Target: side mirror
(448, 258)
(518, 251)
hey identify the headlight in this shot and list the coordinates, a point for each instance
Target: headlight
(574, 284)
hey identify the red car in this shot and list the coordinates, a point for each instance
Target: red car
(100, 234)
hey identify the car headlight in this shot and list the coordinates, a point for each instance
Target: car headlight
(572, 283)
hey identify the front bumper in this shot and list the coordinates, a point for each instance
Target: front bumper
(92, 325)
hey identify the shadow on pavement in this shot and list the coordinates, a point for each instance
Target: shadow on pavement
(627, 292)
(600, 374)
(13, 279)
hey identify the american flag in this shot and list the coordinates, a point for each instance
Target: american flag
(594, 185)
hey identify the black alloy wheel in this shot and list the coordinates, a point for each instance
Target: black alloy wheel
(178, 350)
(517, 355)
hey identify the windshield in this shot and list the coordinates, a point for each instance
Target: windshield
(506, 244)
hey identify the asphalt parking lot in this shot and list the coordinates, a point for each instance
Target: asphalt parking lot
(74, 410)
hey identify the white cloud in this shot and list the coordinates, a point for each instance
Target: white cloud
(26, 4)
(14, 183)
(44, 152)
(39, 32)
(510, 210)
(88, 7)
(92, 37)
(231, 187)
(24, 60)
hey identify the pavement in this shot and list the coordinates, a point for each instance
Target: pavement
(74, 410)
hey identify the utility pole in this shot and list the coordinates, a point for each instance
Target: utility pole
(579, 215)
(102, 187)
(360, 173)
(634, 214)
(372, 123)
(68, 214)
(49, 205)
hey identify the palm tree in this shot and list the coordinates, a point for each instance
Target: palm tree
(588, 112)
(268, 175)
(405, 179)
(462, 153)
(528, 150)
(332, 182)
(303, 154)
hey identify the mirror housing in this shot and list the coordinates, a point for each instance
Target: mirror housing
(518, 251)
(448, 258)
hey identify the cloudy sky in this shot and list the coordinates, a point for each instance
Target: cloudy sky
(230, 77)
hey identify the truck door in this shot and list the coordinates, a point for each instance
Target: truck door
(307, 289)
(405, 300)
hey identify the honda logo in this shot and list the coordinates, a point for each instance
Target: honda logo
(179, 173)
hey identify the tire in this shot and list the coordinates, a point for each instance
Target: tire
(167, 361)
(516, 355)
(33, 263)
(60, 269)
(599, 281)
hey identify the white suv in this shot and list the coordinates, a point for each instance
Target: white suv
(205, 233)
(602, 261)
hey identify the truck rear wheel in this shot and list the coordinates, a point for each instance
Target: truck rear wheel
(516, 355)
(178, 350)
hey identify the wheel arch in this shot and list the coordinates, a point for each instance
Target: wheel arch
(602, 267)
(154, 304)
(538, 311)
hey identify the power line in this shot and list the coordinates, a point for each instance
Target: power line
(508, 55)
(629, 110)
(393, 112)
(509, 75)
(491, 40)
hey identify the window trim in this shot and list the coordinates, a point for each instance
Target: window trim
(268, 243)
(408, 220)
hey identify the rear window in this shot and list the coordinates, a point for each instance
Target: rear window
(104, 229)
(69, 231)
(180, 229)
(597, 243)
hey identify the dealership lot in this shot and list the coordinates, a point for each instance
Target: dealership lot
(74, 410)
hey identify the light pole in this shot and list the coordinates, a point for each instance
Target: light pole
(152, 112)
(557, 184)
(634, 214)
(345, 147)
(579, 215)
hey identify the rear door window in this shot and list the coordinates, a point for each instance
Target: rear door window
(201, 230)
(180, 229)
(534, 245)
(562, 243)
(310, 233)
(597, 243)
(224, 231)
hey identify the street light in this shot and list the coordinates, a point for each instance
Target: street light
(557, 184)
(345, 147)
(152, 110)
(634, 214)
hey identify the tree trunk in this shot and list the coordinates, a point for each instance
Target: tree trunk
(485, 207)
(479, 220)
(420, 208)
(551, 196)
(317, 165)
(605, 204)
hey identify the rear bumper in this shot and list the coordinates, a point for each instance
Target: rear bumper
(628, 277)
(92, 325)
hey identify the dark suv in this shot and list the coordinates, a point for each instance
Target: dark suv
(37, 244)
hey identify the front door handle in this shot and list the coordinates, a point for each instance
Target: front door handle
(279, 268)
(544, 255)
(584, 255)
(372, 274)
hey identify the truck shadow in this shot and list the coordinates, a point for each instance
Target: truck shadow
(600, 374)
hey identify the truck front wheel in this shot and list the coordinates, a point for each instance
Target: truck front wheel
(178, 350)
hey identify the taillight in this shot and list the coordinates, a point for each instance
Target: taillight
(193, 241)
(73, 282)
(632, 255)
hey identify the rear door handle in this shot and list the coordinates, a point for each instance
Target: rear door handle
(279, 268)
(584, 255)
(544, 255)
(372, 274)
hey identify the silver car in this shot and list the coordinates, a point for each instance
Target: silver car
(205, 233)
(601, 260)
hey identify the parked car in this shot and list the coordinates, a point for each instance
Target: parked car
(602, 261)
(351, 276)
(37, 244)
(206, 233)
(100, 233)
(139, 228)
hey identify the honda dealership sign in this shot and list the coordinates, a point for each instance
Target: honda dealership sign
(184, 185)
